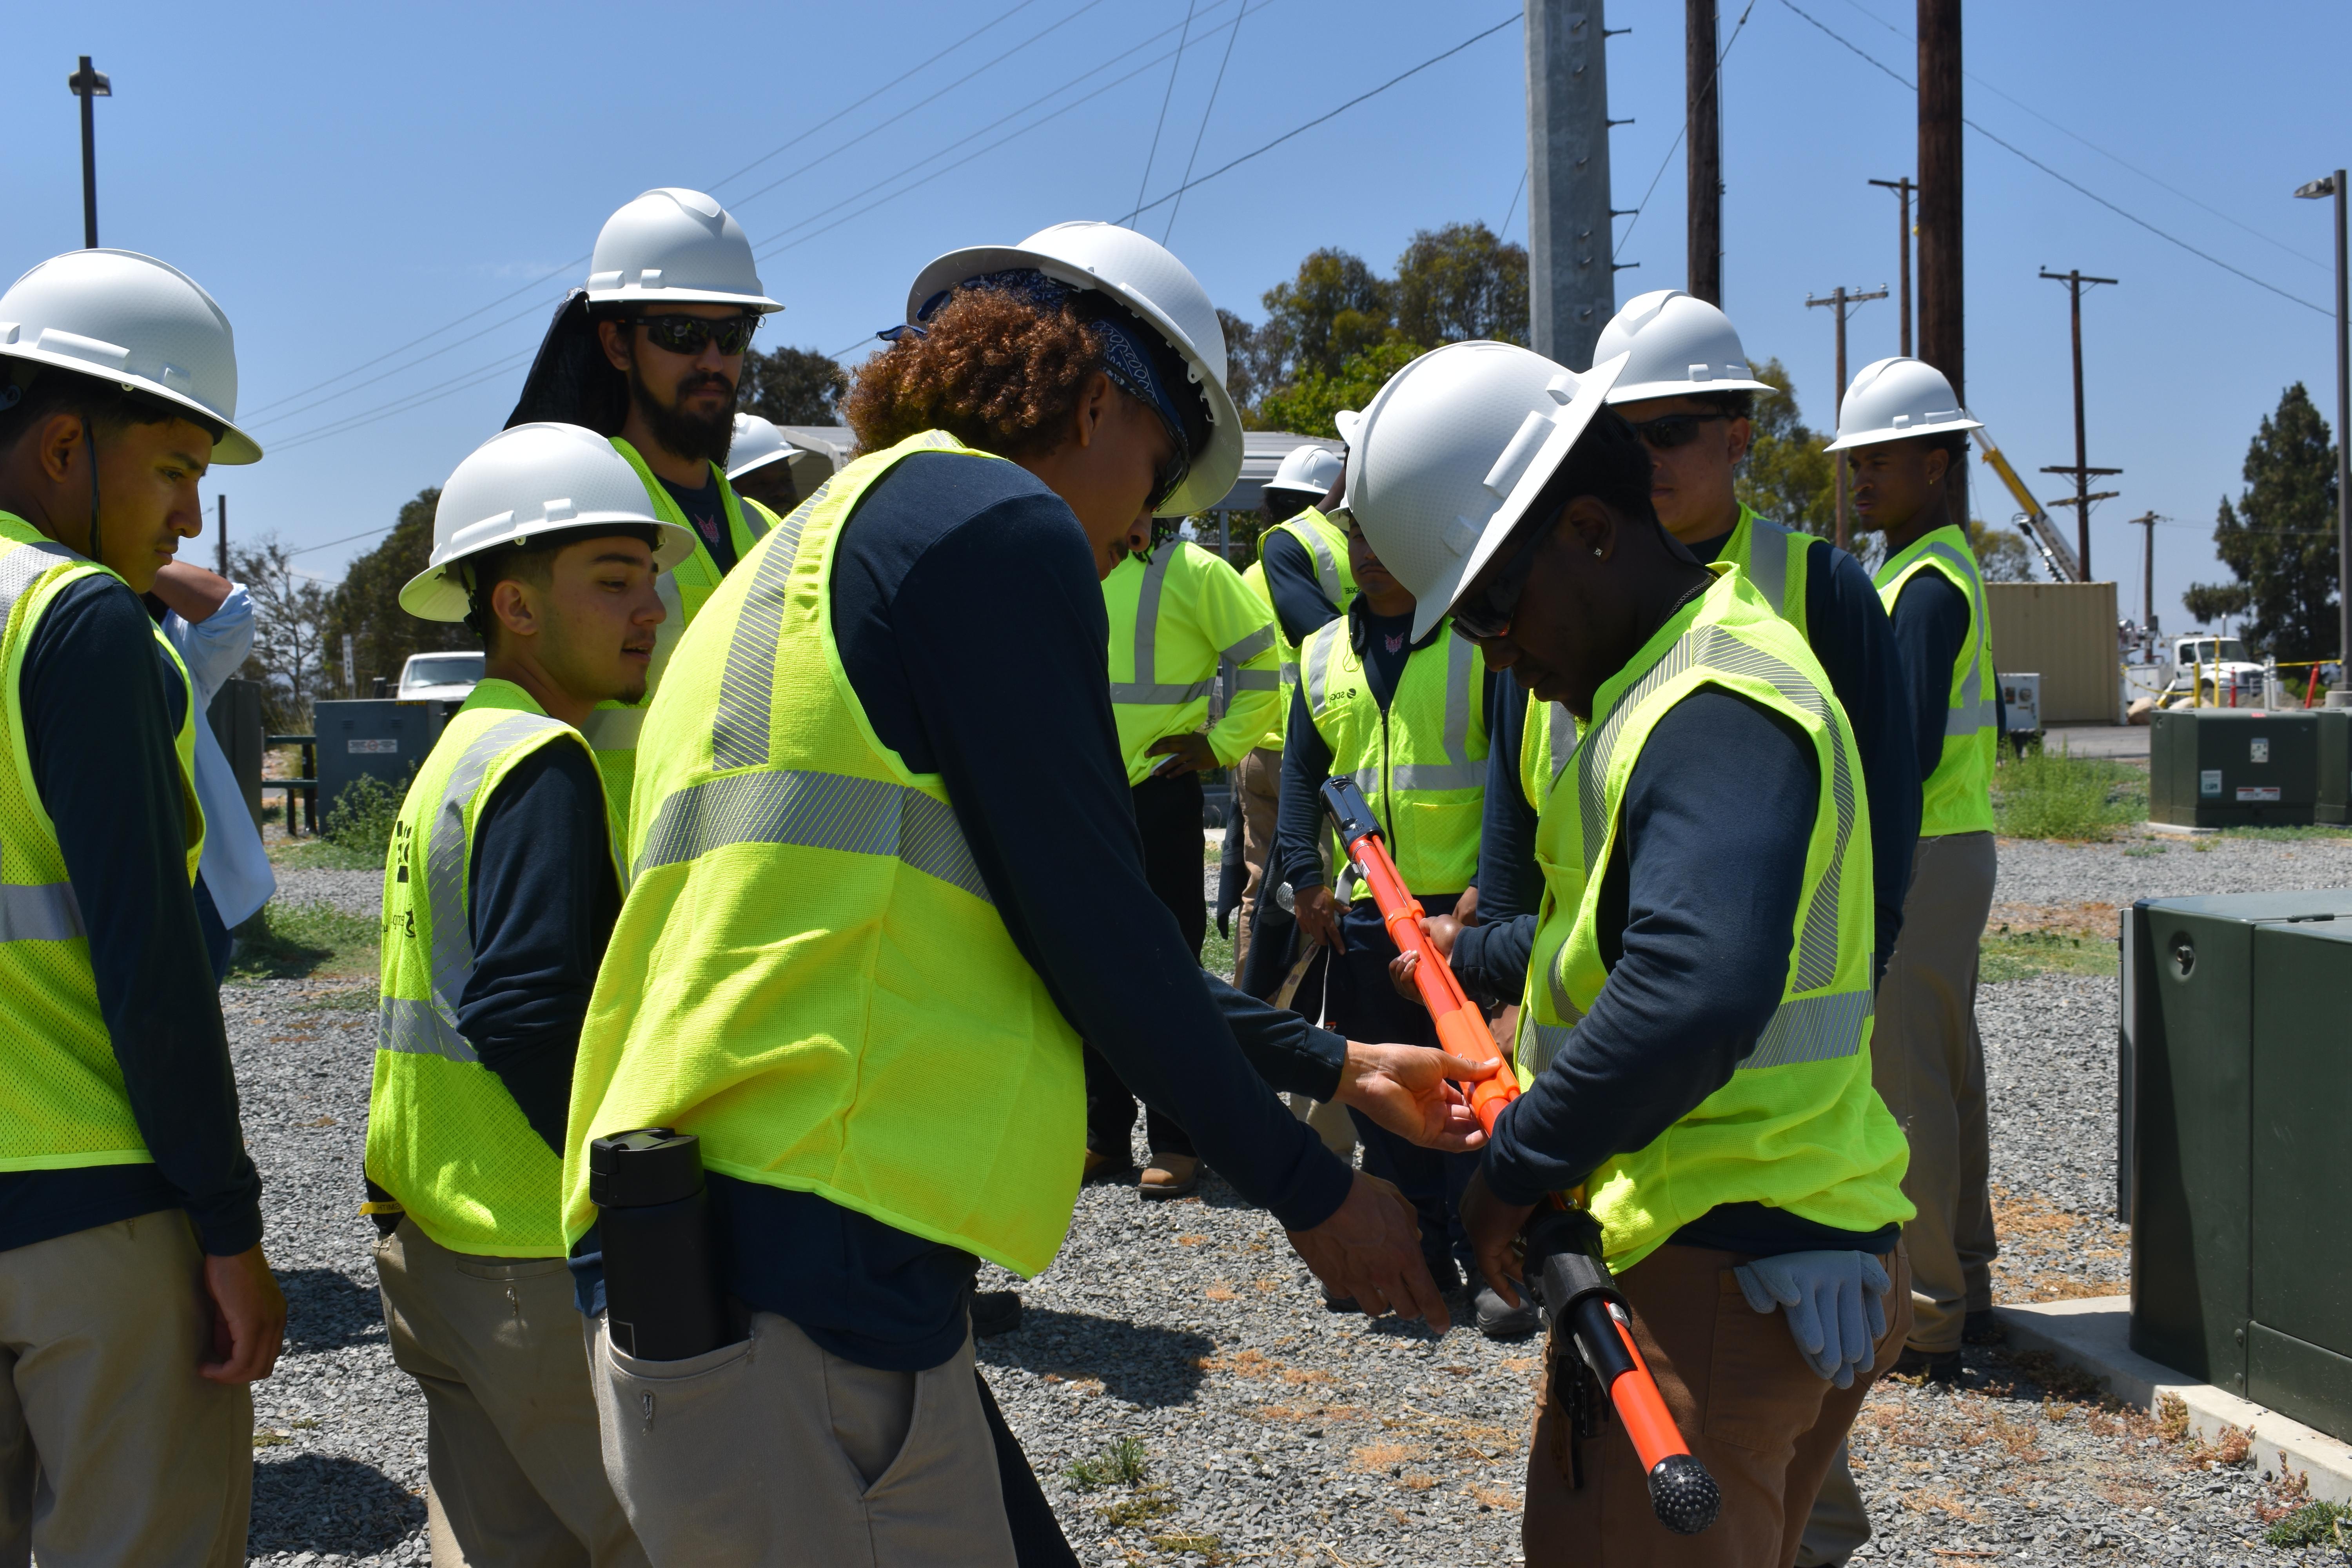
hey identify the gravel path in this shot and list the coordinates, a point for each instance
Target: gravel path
(1262, 1428)
(353, 892)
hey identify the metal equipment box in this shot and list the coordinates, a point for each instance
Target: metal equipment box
(2332, 800)
(2232, 767)
(2236, 1060)
(373, 737)
(2020, 704)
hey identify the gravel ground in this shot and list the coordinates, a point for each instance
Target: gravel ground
(353, 892)
(1264, 1429)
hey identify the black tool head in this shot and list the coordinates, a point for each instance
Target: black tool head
(1685, 1495)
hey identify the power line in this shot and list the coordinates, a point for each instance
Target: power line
(1994, 89)
(1319, 119)
(349, 538)
(1512, 211)
(533, 309)
(1663, 163)
(434, 394)
(2071, 184)
(1163, 121)
(1200, 135)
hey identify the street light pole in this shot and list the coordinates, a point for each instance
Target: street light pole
(88, 85)
(2335, 186)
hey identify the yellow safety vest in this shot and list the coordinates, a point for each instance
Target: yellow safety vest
(1798, 1126)
(1774, 559)
(1326, 543)
(1957, 796)
(1547, 744)
(1422, 763)
(444, 1135)
(1253, 576)
(62, 1100)
(1172, 621)
(612, 729)
(808, 972)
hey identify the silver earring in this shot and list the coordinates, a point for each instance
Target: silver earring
(1596, 550)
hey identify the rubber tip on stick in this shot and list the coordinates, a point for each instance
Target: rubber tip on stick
(1685, 1496)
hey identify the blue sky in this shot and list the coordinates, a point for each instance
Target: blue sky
(346, 180)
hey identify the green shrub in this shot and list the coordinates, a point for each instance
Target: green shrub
(361, 819)
(2313, 1524)
(2052, 794)
(1125, 1462)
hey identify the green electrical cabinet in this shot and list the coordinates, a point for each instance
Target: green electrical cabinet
(2232, 767)
(2333, 801)
(2236, 1068)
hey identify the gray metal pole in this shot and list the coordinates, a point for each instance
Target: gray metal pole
(1572, 283)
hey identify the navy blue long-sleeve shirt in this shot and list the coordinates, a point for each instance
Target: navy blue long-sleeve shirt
(1299, 603)
(1930, 625)
(1847, 628)
(1696, 929)
(101, 702)
(972, 626)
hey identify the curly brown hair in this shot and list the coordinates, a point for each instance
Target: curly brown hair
(995, 371)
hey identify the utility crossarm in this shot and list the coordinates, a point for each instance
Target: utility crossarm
(2057, 553)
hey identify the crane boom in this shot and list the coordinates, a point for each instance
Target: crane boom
(2057, 555)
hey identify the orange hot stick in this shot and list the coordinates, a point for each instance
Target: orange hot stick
(1461, 1027)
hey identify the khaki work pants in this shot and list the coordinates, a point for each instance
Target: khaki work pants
(774, 1453)
(1927, 1062)
(1257, 784)
(112, 1449)
(1762, 1422)
(510, 1420)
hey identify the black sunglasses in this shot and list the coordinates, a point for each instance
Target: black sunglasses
(1668, 431)
(1487, 613)
(687, 334)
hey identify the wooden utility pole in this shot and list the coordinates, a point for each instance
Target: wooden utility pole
(1903, 189)
(88, 85)
(220, 545)
(1700, 69)
(2147, 520)
(2076, 282)
(1839, 299)
(1941, 337)
(1571, 275)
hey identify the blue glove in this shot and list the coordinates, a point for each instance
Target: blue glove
(1834, 1303)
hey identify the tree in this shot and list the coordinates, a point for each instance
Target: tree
(792, 386)
(2000, 552)
(1247, 373)
(2279, 539)
(1789, 474)
(1306, 407)
(289, 615)
(1334, 308)
(1460, 283)
(2212, 603)
(365, 606)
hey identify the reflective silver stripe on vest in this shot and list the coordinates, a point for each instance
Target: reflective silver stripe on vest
(755, 518)
(1556, 981)
(444, 877)
(1318, 661)
(1540, 1043)
(1563, 739)
(1289, 674)
(1326, 568)
(416, 1028)
(1768, 561)
(35, 912)
(39, 911)
(1975, 712)
(1257, 681)
(1250, 646)
(1145, 689)
(1811, 1029)
(1712, 647)
(813, 810)
(738, 733)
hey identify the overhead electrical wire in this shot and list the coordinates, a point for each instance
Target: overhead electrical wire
(1161, 123)
(1513, 210)
(434, 394)
(2069, 183)
(1327, 114)
(1215, 88)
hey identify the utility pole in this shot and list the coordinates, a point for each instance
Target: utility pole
(1700, 69)
(1940, 292)
(220, 503)
(2076, 283)
(2333, 186)
(1839, 300)
(88, 85)
(1571, 274)
(1903, 189)
(2147, 520)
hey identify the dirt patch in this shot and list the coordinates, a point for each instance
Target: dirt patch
(2038, 1240)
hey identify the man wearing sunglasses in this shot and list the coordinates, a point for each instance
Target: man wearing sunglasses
(1694, 1043)
(650, 354)
(1687, 392)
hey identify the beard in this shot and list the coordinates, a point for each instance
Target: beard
(688, 436)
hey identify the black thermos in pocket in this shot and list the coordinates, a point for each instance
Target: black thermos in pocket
(661, 1290)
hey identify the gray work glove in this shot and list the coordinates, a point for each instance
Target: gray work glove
(1834, 1303)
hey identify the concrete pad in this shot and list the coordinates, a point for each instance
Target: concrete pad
(2180, 831)
(2094, 1334)
(2121, 741)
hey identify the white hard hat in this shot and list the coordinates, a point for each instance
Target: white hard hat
(675, 247)
(1453, 453)
(141, 323)
(1145, 276)
(758, 443)
(1896, 400)
(1347, 421)
(524, 484)
(1678, 346)
(1311, 470)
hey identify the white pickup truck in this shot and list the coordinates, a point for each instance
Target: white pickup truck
(2216, 665)
(439, 676)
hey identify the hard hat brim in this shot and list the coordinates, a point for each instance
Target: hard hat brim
(764, 459)
(1641, 390)
(1885, 433)
(233, 447)
(438, 593)
(1591, 394)
(635, 295)
(1347, 421)
(1213, 470)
